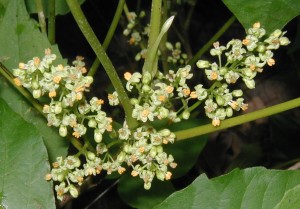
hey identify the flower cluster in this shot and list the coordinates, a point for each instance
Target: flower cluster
(156, 96)
(244, 59)
(164, 96)
(176, 55)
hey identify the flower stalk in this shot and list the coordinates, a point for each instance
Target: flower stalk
(206, 129)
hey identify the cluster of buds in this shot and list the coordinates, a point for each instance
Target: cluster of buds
(244, 59)
(132, 28)
(176, 56)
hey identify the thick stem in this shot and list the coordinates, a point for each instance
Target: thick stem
(150, 64)
(41, 15)
(105, 61)
(109, 35)
(51, 22)
(205, 129)
(212, 40)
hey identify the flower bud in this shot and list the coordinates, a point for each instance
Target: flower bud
(276, 33)
(229, 112)
(203, 64)
(57, 108)
(121, 157)
(261, 48)
(249, 83)
(127, 148)
(153, 152)
(160, 175)
(159, 149)
(284, 41)
(36, 93)
(63, 131)
(147, 185)
(146, 88)
(146, 78)
(223, 70)
(73, 191)
(134, 101)
(169, 46)
(90, 155)
(220, 100)
(35, 84)
(186, 114)
(97, 136)
(237, 93)
(165, 132)
(92, 123)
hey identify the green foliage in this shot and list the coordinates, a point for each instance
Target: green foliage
(61, 7)
(249, 188)
(272, 14)
(20, 38)
(24, 163)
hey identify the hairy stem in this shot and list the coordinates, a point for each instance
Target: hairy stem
(205, 129)
(220, 32)
(109, 35)
(51, 22)
(104, 59)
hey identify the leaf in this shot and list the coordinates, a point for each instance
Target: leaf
(290, 200)
(23, 160)
(56, 145)
(249, 188)
(272, 14)
(61, 7)
(20, 40)
(131, 190)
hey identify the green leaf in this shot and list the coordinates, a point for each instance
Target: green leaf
(61, 7)
(185, 152)
(249, 188)
(272, 14)
(56, 145)
(290, 199)
(23, 160)
(131, 190)
(20, 38)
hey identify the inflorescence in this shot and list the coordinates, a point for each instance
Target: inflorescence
(165, 96)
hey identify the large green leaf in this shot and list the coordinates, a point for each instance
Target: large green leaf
(249, 188)
(273, 14)
(24, 163)
(20, 40)
(61, 7)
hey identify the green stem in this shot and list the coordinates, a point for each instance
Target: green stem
(105, 61)
(51, 22)
(151, 62)
(41, 15)
(163, 47)
(212, 40)
(205, 129)
(109, 35)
